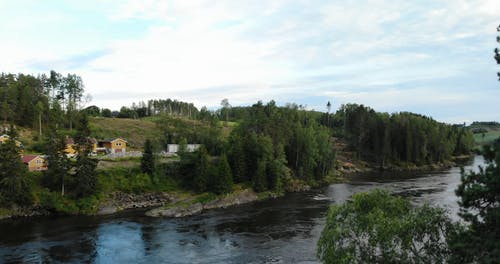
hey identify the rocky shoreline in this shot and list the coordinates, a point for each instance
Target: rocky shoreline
(191, 206)
(120, 201)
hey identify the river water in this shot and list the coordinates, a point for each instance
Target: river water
(283, 230)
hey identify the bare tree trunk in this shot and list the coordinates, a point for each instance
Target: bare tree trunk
(40, 123)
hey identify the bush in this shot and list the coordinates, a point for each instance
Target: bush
(378, 228)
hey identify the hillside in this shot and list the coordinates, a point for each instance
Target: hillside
(135, 131)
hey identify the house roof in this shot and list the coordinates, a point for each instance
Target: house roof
(28, 158)
(70, 140)
(113, 139)
(92, 140)
(5, 135)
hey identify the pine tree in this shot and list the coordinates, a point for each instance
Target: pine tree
(223, 179)
(148, 158)
(56, 175)
(85, 178)
(201, 169)
(480, 207)
(14, 187)
(85, 175)
(260, 179)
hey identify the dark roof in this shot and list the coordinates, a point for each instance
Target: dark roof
(92, 140)
(70, 140)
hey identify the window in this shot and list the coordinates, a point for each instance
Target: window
(39, 161)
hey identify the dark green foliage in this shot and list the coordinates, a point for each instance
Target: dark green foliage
(273, 142)
(479, 194)
(260, 178)
(75, 177)
(40, 102)
(378, 228)
(92, 111)
(148, 158)
(14, 185)
(156, 107)
(55, 177)
(85, 178)
(222, 181)
(401, 137)
(105, 112)
(201, 178)
(85, 175)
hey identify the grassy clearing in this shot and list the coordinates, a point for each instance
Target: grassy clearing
(135, 131)
(488, 137)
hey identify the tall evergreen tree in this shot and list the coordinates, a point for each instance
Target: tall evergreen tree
(202, 170)
(148, 158)
(56, 176)
(85, 175)
(479, 194)
(223, 179)
(14, 186)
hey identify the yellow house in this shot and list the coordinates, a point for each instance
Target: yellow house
(70, 147)
(35, 162)
(4, 138)
(117, 145)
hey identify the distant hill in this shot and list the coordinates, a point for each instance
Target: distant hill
(485, 132)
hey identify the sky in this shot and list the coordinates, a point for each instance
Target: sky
(430, 57)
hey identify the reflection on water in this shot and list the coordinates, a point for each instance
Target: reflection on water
(283, 230)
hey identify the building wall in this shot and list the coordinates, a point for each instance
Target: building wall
(37, 164)
(174, 148)
(70, 149)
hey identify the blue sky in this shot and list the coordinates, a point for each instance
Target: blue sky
(429, 57)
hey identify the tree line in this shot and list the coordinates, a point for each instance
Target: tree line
(153, 107)
(41, 102)
(399, 137)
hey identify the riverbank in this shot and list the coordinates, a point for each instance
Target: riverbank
(183, 203)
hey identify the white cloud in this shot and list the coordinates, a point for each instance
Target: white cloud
(203, 51)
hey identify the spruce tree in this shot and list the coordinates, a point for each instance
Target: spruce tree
(480, 207)
(55, 177)
(223, 179)
(14, 186)
(85, 175)
(201, 170)
(148, 158)
(260, 179)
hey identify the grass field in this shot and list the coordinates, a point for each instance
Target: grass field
(488, 137)
(135, 131)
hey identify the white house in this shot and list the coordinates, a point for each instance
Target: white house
(174, 148)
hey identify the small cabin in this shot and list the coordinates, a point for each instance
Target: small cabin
(35, 162)
(113, 146)
(4, 138)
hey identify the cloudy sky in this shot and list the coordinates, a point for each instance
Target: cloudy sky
(431, 57)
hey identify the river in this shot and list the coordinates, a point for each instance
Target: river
(283, 230)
